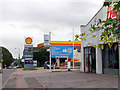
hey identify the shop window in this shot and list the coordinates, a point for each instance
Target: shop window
(89, 59)
(110, 57)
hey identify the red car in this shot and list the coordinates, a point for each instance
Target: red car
(62, 64)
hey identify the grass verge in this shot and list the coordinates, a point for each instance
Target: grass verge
(30, 69)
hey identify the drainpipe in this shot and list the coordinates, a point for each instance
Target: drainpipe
(119, 54)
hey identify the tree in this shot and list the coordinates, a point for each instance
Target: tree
(41, 55)
(110, 27)
(7, 57)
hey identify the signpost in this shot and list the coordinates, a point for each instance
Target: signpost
(28, 53)
(62, 52)
(35, 63)
(46, 40)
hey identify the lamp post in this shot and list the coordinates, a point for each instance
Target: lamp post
(18, 56)
(73, 49)
(50, 48)
(1, 59)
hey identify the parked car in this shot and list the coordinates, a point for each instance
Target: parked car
(62, 64)
(17, 66)
(47, 65)
(9, 67)
(14, 67)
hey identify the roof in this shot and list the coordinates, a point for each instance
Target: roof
(92, 17)
(63, 43)
(40, 45)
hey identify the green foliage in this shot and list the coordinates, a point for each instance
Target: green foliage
(82, 34)
(107, 3)
(94, 46)
(110, 27)
(117, 6)
(30, 69)
(77, 37)
(93, 36)
(41, 55)
(7, 57)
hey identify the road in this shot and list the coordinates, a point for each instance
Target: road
(5, 75)
(44, 79)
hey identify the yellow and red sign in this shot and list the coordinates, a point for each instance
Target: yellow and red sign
(62, 43)
(66, 43)
(76, 60)
(28, 40)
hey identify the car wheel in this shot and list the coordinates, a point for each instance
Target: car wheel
(44, 68)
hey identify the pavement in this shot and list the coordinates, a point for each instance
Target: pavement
(6, 74)
(78, 80)
(0, 81)
(42, 78)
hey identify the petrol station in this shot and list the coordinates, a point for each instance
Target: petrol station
(28, 53)
(63, 53)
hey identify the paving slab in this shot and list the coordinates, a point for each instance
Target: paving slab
(33, 83)
(43, 79)
(20, 81)
(78, 80)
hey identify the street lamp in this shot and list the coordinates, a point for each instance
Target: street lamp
(73, 49)
(18, 56)
(50, 49)
(1, 59)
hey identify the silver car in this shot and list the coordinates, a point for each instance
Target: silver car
(47, 65)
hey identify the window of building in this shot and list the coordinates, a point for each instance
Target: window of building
(110, 57)
(89, 59)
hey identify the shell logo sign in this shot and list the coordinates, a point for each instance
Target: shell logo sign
(28, 40)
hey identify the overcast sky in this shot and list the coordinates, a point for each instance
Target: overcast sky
(34, 18)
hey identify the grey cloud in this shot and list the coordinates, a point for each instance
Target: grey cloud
(20, 18)
(64, 13)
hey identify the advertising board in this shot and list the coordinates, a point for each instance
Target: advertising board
(46, 40)
(28, 53)
(28, 40)
(61, 51)
(35, 63)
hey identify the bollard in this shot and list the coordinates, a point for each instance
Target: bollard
(69, 66)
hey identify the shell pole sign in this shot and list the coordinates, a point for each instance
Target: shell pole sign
(28, 40)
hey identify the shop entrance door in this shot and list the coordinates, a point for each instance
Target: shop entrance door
(89, 59)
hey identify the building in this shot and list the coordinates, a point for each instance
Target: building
(98, 60)
(77, 49)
